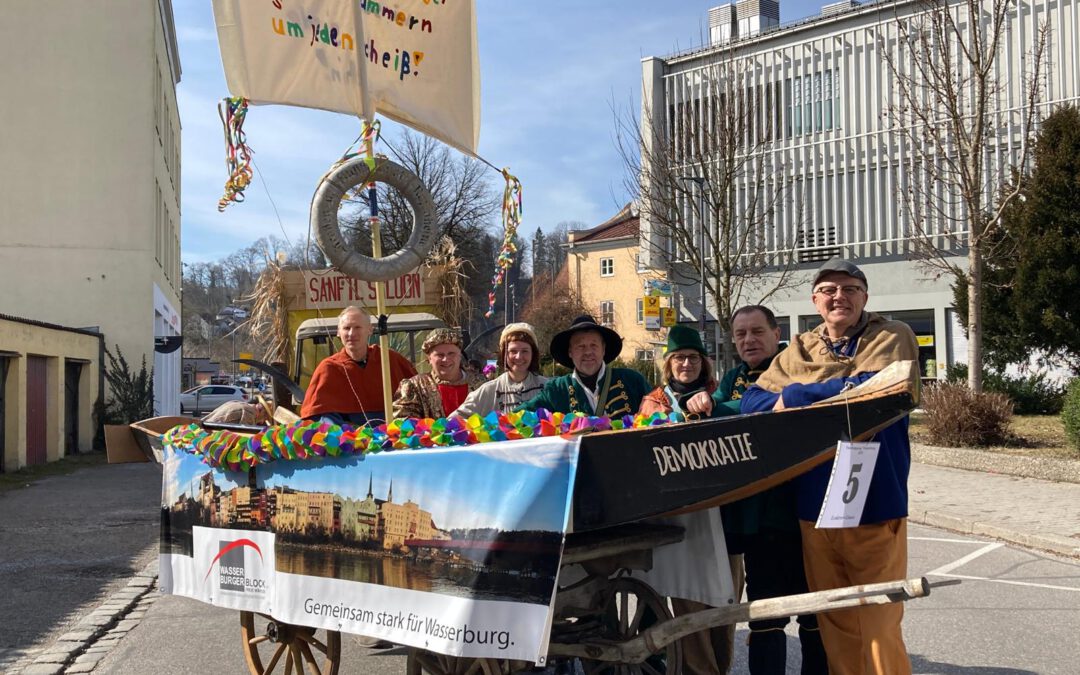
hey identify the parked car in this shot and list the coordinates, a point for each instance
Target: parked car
(207, 397)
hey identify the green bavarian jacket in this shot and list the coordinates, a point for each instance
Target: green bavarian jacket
(565, 394)
(773, 509)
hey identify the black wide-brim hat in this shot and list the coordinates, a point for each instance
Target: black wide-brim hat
(560, 344)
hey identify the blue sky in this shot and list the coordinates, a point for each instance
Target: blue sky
(493, 485)
(551, 74)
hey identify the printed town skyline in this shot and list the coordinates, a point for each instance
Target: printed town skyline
(493, 497)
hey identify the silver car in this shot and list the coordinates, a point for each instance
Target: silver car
(203, 399)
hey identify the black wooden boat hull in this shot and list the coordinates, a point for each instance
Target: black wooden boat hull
(626, 476)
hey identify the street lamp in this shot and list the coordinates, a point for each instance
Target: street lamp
(703, 184)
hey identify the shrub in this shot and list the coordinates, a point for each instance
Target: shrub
(1032, 394)
(131, 393)
(1070, 413)
(957, 416)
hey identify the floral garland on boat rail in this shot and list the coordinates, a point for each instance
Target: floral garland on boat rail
(312, 439)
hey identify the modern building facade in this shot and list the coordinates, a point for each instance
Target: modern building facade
(818, 91)
(90, 171)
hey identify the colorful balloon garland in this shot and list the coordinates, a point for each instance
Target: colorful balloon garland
(313, 438)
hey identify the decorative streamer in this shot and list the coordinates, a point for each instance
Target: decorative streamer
(309, 439)
(232, 112)
(511, 216)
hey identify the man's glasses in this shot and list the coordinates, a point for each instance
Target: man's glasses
(831, 291)
(692, 359)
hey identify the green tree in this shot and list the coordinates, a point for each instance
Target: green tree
(1031, 300)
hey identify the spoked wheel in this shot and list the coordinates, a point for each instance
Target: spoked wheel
(631, 606)
(427, 663)
(285, 648)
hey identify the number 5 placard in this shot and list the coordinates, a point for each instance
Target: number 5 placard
(848, 485)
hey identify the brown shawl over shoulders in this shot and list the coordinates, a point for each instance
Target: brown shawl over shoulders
(808, 359)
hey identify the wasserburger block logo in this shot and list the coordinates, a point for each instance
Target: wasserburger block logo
(232, 571)
(239, 563)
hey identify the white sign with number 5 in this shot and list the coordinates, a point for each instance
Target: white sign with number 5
(848, 485)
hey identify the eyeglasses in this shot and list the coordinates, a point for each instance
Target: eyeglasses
(692, 359)
(831, 291)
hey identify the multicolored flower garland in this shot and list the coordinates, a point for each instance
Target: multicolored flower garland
(310, 439)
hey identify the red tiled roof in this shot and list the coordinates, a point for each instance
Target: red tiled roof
(623, 224)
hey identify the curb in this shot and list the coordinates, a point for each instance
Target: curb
(1042, 468)
(76, 651)
(982, 461)
(1050, 543)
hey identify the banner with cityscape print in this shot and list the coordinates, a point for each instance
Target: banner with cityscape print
(454, 550)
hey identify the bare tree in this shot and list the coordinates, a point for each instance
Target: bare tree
(708, 159)
(958, 106)
(553, 307)
(465, 201)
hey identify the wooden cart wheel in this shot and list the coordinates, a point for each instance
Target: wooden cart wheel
(288, 649)
(630, 607)
(428, 663)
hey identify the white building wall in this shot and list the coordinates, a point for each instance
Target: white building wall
(90, 167)
(833, 155)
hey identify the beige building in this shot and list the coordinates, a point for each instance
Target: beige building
(91, 174)
(50, 377)
(606, 273)
(400, 522)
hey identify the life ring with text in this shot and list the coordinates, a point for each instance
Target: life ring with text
(324, 219)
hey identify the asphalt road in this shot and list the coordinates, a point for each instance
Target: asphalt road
(1016, 612)
(57, 563)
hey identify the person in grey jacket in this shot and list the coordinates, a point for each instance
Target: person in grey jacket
(519, 356)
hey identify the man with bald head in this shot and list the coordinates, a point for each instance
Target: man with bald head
(347, 387)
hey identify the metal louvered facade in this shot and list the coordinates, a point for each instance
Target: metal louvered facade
(820, 89)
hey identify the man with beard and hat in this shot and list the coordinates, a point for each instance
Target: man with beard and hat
(593, 388)
(520, 358)
(846, 349)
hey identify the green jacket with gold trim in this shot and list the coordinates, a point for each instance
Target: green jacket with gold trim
(565, 394)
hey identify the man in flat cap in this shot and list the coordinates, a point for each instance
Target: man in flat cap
(848, 348)
(593, 388)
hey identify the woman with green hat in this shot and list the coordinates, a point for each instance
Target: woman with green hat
(688, 383)
(688, 375)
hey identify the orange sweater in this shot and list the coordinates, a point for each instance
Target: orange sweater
(330, 390)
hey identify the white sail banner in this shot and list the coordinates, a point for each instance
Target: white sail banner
(414, 61)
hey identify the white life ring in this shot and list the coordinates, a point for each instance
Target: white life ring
(324, 219)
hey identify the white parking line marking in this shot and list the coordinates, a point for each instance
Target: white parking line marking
(1074, 589)
(947, 541)
(945, 569)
